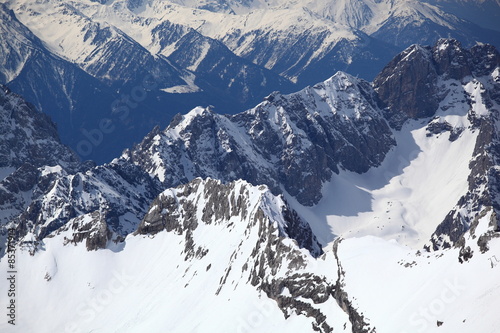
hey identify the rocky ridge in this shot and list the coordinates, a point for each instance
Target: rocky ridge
(287, 140)
(292, 143)
(263, 224)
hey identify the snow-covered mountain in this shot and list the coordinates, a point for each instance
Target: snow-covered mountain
(321, 137)
(27, 136)
(80, 71)
(346, 206)
(235, 269)
(43, 185)
(285, 142)
(294, 37)
(60, 89)
(139, 62)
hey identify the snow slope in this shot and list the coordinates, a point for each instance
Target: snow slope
(404, 198)
(409, 291)
(145, 285)
(141, 285)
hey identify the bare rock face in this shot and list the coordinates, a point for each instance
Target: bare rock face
(407, 86)
(209, 201)
(292, 141)
(451, 60)
(91, 228)
(29, 136)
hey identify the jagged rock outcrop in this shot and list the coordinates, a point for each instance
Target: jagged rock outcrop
(292, 141)
(210, 201)
(120, 192)
(91, 228)
(261, 226)
(478, 71)
(408, 85)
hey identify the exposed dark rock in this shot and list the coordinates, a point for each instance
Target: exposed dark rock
(438, 128)
(175, 210)
(407, 86)
(91, 228)
(494, 232)
(465, 254)
(304, 285)
(358, 322)
(299, 230)
(295, 142)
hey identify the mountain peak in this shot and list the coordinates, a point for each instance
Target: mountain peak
(210, 201)
(407, 86)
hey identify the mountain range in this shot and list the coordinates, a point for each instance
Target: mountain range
(348, 205)
(134, 64)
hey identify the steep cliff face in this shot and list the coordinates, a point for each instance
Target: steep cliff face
(409, 86)
(296, 141)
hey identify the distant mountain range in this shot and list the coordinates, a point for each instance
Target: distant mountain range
(134, 64)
